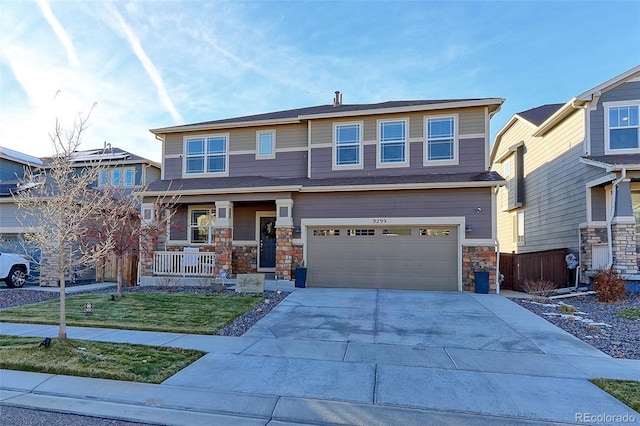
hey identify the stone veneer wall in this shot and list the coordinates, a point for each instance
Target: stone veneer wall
(223, 249)
(477, 257)
(284, 252)
(625, 257)
(245, 259)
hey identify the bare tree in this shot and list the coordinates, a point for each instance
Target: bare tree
(58, 204)
(123, 223)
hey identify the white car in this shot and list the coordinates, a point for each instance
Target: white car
(14, 269)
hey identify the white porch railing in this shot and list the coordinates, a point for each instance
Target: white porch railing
(599, 256)
(184, 264)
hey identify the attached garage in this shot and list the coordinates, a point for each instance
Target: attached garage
(390, 257)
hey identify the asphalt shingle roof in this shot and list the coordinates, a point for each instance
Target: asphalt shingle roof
(539, 115)
(231, 183)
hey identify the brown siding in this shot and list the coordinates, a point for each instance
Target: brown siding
(285, 165)
(172, 168)
(173, 144)
(426, 203)
(471, 159)
(244, 220)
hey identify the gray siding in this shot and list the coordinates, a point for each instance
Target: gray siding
(471, 159)
(555, 195)
(153, 174)
(173, 144)
(624, 92)
(10, 216)
(10, 170)
(172, 168)
(427, 203)
(244, 220)
(285, 165)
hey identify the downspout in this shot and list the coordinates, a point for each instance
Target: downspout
(614, 193)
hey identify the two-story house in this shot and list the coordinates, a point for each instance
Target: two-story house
(573, 178)
(386, 195)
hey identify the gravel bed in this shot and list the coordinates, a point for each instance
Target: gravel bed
(595, 323)
(18, 297)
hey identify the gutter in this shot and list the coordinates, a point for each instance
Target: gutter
(615, 184)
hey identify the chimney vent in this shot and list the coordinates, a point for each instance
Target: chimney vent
(337, 100)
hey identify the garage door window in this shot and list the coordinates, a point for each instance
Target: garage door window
(361, 232)
(435, 232)
(396, 232)
(326, 232)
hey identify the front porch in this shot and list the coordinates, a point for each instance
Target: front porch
(230, 237)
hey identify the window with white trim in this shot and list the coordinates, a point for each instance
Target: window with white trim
(441, 139)
(518, 227)
(202, 223)
(206, 154)
(392, 143)
(120, 176)
(266, 144)
(347, 144)
(622, 129)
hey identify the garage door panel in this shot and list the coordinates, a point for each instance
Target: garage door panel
(423, 258)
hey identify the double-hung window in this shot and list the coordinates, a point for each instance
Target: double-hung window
(392, 143)
(622, 132)
(202, 223)
(207, 154)
(347, 145)
(117, 177)
(441, 140)
(266, 144)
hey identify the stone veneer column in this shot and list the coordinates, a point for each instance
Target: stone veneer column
(284, 238)
(284, 252)
(223, 237)
(478, 257)
(623, 237)
(589, 235)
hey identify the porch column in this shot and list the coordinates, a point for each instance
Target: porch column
(623, 232)
(223, 236)
(284, 237)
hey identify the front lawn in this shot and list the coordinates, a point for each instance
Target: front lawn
(627, 391)
(171, 312)
(118, 361)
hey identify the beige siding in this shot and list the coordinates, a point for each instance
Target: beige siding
(321, 131)
(472, 121)
(173, 144)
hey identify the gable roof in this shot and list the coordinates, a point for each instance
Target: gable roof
(328, 111)
(109, 155)
(539, 115)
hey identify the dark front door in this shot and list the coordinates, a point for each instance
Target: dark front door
(267, 242)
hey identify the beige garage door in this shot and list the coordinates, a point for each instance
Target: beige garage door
(415, 258)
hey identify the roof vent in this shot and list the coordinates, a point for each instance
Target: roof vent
(337, 100)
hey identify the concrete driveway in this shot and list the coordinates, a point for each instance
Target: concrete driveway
(366, 357)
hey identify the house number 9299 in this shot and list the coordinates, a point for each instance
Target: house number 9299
(380, 220)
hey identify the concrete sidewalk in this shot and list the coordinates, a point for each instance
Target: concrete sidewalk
(344, 356)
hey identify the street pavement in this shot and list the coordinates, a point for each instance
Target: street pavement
(354, 357)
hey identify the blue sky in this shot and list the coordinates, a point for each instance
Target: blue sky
(149, 64)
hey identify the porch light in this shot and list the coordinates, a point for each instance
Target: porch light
(467, 228)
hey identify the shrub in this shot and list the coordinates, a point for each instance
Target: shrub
(609, 286)
(568, 308)
(539, 289)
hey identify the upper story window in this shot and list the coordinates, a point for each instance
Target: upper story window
(117, 177)
(392, 143)
(441, 140)
(207, 154)
(202, 223)
(266, 144)
(347, 145)
(622, 133)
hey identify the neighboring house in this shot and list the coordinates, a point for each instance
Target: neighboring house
(573, 179)
(387, 195)
(12, 168)
(123, 169)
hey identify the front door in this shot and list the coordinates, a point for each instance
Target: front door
(267, 257)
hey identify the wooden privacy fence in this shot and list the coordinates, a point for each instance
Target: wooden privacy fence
(547, 265)
(108, 270)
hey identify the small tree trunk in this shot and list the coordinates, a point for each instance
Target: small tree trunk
(119, 274)
(62, 332)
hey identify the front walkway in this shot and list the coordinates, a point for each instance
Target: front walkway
(343, 356)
